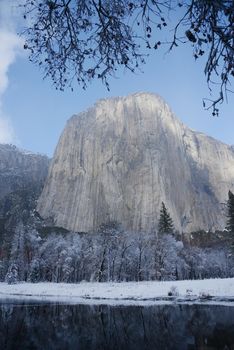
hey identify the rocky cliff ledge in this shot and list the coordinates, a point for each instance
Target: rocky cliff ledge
(124, 156)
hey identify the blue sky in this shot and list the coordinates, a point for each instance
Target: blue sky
(33, 114)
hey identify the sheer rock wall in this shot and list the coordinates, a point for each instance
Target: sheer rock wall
(124, 156)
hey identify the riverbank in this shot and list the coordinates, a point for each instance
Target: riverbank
(127, 293)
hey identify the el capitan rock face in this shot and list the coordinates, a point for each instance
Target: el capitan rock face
(124, 156)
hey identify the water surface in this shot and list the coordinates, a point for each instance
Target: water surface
(49, 326)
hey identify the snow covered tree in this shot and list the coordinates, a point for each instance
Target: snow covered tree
(166, 263)
(18, 251)
(165, 224)
(12, 274)
(34, 273)
(230, 212)
(107, 250)
(141, 253)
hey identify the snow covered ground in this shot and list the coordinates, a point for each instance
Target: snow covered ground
(216, 291)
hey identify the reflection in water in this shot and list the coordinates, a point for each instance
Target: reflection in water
(83, 327)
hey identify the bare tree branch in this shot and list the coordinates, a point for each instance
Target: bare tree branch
(89, 39)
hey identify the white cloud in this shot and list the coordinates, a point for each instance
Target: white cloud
(11, 14)
(7, 134)
(10, 47)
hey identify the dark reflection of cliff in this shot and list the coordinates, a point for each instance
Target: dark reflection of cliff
(80, 327)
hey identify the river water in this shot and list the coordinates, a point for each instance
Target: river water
(49, 326)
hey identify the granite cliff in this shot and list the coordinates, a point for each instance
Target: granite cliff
(124, 156)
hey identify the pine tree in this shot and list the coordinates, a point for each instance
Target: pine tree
(230, 212)
(18, 250)
(12, 274)
(165, 224)
(34, 274)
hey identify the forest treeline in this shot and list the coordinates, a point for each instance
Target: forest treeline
(110, 254)
(31, 251)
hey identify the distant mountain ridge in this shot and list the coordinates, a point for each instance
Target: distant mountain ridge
(18, 168)
(121, 158)
(22, 176)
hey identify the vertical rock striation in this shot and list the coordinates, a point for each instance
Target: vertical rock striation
(124, 156)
